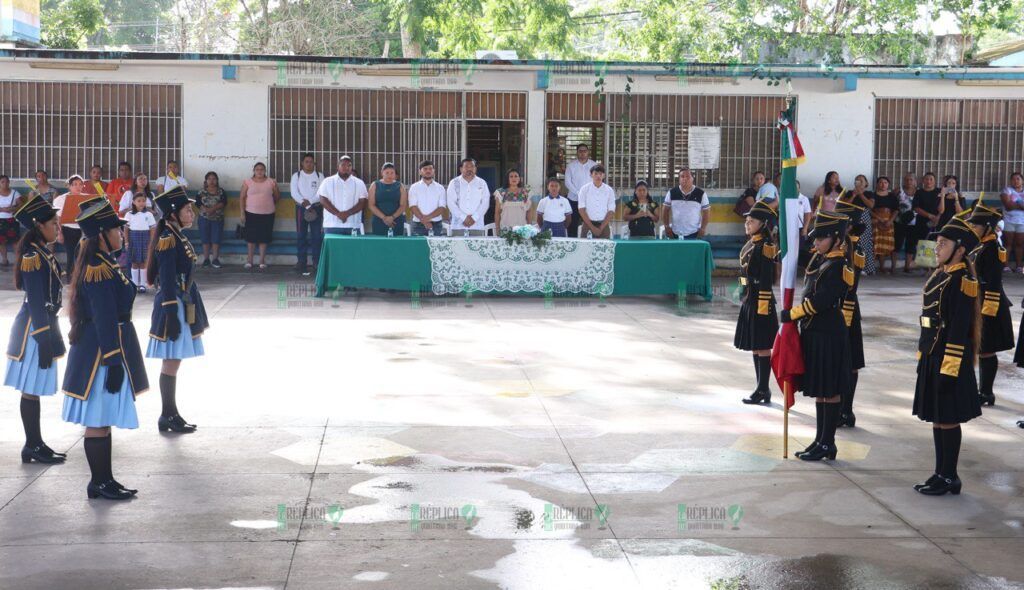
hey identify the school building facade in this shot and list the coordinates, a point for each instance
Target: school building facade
(64, 111)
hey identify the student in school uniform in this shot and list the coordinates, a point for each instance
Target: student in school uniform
(105, 370)
(141, 226)
(179, 316)
(856, 259)
(596, 205)
(758, 321)
(36, 342)
(554, 212)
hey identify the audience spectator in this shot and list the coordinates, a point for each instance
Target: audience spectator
(212, 201)
(686, 209)
(468, 199)
(68, 206)
(862, 197)
(554, 211)
(577, 175)
(512, 202)
(121, 184)
(1013, 222)
(41, 186)
(427, 202)
(828, 193)
(749, 196)
(905, 228)
(929, 205)
(10, 200)
(952, 199)
(387, 199)
(642, 213)
(309, 213)
(258, 203)
(883, 216)
(140, 185)
(343, 196)
(171, 178)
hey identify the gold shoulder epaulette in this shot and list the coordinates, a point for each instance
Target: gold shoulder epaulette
(1002, 254)
(95, 273)
(969, 287)
(31, 261)
(771, 251)
(859, 260)
(848, 276)
(166, 242)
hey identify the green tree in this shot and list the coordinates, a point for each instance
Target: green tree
(66, 23)
(135, 22)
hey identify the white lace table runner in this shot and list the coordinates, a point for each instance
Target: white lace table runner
(488, 265)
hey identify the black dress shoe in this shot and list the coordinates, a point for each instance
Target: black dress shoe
(759, 397)
(822, 451)
(942, 485)
(175, 424)
(927, 482)
(107, 490)
(41, 454)
(1020, 423)
(121, 486)
(988, 399)
(847, 420)
(809, 448)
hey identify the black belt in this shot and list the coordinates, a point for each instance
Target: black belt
(930, 322)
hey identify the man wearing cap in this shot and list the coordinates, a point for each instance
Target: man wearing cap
(468, 199)
(343, 196)
(309, 216)
(988, 259)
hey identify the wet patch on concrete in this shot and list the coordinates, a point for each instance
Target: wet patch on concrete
(396, 336)
(478, 469)
(391, 462)
(396, 485)
(402, 359)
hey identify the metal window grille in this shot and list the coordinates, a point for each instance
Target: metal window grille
(647, 134)
(979, 140)
(377, 126)
(66, 127)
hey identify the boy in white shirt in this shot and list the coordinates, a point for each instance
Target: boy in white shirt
(554, 211)
(596, 205)
(309, 232)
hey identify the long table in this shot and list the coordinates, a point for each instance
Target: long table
(642, 267)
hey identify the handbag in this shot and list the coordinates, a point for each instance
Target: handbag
(925, 256)
(240, 231)
(311, 213)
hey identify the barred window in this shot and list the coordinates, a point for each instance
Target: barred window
(66, 127)
(647, 134)
(377, 126)
(979, 140)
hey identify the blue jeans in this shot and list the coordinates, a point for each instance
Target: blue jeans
(210, 232)
(340, 231)
(309, 233)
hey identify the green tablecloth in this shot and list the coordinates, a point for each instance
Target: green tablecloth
(642, 267)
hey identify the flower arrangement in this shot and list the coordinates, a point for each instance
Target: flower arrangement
(526, 233)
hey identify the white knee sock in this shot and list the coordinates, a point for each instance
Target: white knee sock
(137, 276)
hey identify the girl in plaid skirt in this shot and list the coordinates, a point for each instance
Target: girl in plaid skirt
(141, 231)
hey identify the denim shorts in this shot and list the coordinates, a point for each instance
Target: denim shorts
(1013, 228)
(210, 232)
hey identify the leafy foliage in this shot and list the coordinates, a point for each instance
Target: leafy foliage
(66, 23)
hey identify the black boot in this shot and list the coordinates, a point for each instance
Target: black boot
(987, 367)
(819, 417)
(35, 449)
(763, 393)
(102, 485)
(937, 441)
(169, 418)
(826, 448)
(846, 417)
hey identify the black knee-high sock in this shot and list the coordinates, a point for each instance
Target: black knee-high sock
(819, 416)
(937, 439)
(828, 427)
(97, 452)
(30, 420)
(987, 366)
(847, 403)
(764, 371)
(950, 451)
(757, 370)
(170, 406)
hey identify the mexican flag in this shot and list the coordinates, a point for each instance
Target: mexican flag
(787, 357)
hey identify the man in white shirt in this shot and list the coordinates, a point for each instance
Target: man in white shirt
(304, 186)
(343, 197)
(427, 200)
(596, 205)
(172, 179)
(468, 199)
(687, 209)
(577, 175)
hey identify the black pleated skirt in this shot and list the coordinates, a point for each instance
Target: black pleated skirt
(856, 341)
(827, 369)
(997, 331)
(946, 400)
(1019, 356)
(753, 331)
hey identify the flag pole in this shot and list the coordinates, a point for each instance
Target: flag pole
(786, 392)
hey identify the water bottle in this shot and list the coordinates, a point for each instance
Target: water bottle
(391, 232)
(590, 235)
(430, 232)
(625, 232)
(465, 232)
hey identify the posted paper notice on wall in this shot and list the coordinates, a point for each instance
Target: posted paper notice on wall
(704, 147)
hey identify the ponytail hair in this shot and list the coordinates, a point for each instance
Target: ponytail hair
(152, 266)
(32, 236)
(86, 250)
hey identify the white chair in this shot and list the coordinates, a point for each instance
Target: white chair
(448, 229)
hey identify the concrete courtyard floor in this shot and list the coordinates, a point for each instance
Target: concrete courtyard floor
(382, 441)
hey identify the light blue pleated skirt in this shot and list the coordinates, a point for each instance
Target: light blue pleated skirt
(26, 376)
(185, 347)
(102, 408)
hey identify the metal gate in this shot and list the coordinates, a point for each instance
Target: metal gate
(438, 140)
